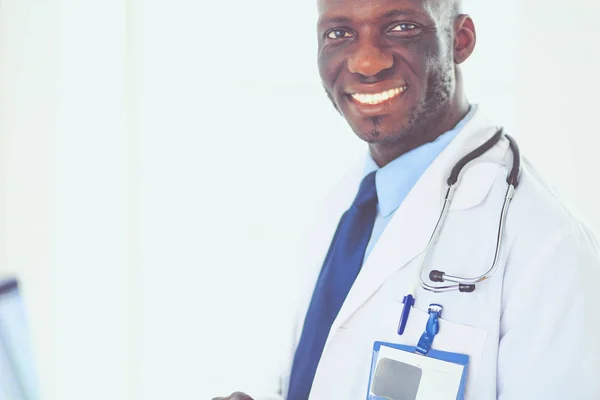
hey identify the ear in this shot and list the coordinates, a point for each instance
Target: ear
(465, 38)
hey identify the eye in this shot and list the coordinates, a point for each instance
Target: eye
(405, 27)
(338, 33)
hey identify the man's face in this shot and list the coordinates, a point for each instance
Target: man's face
(387, 65)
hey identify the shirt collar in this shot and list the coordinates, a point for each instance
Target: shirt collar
(395, 180)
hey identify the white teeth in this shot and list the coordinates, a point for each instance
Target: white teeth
(377, 98)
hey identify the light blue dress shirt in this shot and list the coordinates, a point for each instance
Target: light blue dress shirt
(396, 179)
(18, 380)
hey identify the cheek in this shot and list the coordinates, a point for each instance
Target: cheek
(437, 55)
(330, 65)
(423, 54)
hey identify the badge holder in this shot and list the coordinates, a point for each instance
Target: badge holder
(417, 372)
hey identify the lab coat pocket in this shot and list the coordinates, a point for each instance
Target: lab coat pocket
(452, 337)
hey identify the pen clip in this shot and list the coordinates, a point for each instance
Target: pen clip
(409, 302)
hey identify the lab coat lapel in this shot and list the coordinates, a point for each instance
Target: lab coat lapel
(319, 238)
(408, 233)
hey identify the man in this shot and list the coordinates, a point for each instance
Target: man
(392, 69)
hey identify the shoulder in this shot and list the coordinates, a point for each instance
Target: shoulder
(548, 240)
(341, 189)
(539, 208)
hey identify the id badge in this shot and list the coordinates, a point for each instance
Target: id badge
(398, 372)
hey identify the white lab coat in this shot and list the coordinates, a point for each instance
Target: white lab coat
(532, 331)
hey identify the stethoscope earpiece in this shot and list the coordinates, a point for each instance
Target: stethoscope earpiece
(436, 276)
(466, 288)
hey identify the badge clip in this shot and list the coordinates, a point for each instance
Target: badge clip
(431, 329)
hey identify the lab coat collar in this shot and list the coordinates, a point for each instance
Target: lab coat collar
(395, 179)
(410, 228)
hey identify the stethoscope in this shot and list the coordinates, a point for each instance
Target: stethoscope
(467, 285)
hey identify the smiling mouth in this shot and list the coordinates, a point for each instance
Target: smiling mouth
(378, 98)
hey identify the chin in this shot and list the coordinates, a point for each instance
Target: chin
(380, 130)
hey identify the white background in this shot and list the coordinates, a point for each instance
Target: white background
(158, 161)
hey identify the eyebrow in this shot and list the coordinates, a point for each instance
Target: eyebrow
(388, 15)
(334, 20)
(402, 13)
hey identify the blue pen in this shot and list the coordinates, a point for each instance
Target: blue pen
(409, 301)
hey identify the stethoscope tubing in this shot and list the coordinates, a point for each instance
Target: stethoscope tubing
(462, 284)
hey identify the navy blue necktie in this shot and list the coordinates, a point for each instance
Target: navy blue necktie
(340, 268)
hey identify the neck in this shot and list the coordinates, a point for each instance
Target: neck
(384, 153)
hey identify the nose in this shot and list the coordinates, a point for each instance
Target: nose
(370, 59)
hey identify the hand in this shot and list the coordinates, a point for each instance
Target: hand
(235, 396)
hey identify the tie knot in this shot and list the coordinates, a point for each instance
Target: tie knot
(367, 192)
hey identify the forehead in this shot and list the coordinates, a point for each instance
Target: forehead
(364, 9)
